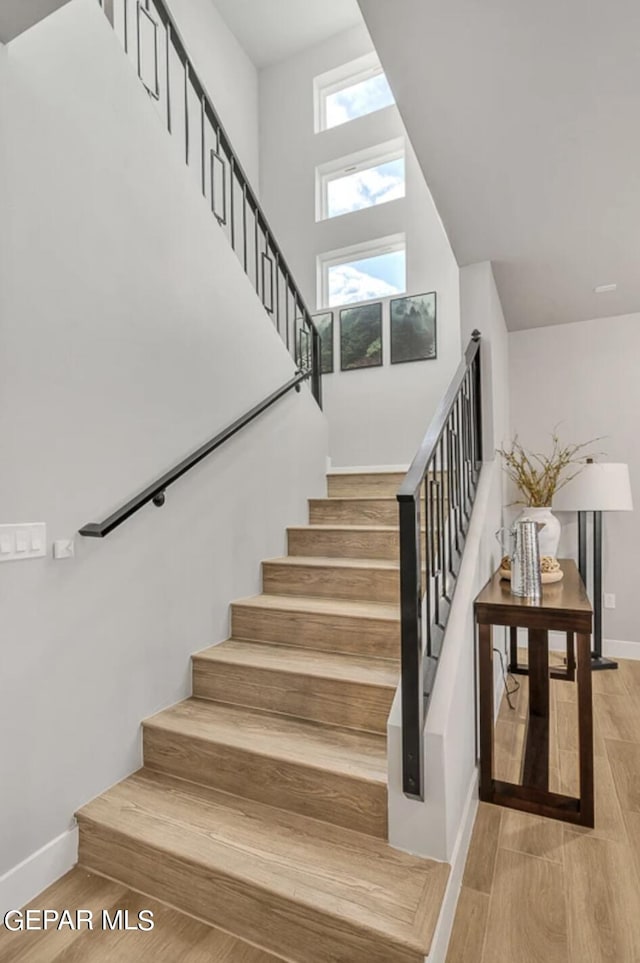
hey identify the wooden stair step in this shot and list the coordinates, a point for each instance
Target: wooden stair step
(366, 483)
(175, 938)
(374, 579)
(329, 625)
(331, 773)
(344, 541)
(297, 887)
(329, 687)
(353, 511)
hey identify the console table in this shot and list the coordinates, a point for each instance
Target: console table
(565, 608)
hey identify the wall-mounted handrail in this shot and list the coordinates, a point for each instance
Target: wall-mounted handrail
(434, 505)
(155, 492)
(206, 146)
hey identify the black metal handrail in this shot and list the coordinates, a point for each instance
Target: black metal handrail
(155, 492)
(441, 484)
(163, 64)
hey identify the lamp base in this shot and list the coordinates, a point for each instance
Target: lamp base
(599, 662)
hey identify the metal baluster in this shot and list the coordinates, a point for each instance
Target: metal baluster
(232, 209)
(428, 563)
(167, 53)
(278, 299)
(286, 304)
(255, 247)
(126, 26)
(244, 227)
(433, 540)
(450, 510)
(186, 110)
(202, 146)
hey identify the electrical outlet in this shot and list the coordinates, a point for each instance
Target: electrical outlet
(609, 600)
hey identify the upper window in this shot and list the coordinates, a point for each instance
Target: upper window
(376, 269)
(361, 180)
(351, 91)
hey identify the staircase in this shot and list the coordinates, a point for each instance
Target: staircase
(262, 805)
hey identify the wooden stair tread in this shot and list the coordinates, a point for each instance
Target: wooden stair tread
(320, 561)
(323, 869)
(321, 606)
(176, 937)
(360, 755)
(342, 528)
(282, 658)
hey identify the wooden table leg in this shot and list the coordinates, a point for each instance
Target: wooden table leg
(485, 680)
(513, 648)
(585, 729)
(536, 758)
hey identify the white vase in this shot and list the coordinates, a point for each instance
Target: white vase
(549, 536)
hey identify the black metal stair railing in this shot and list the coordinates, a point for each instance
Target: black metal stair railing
(152, 40)
(435, 502)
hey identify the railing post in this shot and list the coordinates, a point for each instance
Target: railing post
(411, 647)
(477, 391)
(316, 365)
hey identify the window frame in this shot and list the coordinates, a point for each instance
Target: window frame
(362, 160)
(346, 75)
(356, 252)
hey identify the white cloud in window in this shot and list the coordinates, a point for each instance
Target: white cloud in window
(357, 100)
(377, 185)
(348, 284)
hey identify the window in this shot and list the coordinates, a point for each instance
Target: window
(361, 180)
(363, 272)
(350, 91)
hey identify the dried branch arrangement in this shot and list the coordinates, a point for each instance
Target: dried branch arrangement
(539, 476)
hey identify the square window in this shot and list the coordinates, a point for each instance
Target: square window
(365, 179)
(351, 91)
(363, 273)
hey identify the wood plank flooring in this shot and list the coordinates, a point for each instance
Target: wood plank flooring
(541, 891)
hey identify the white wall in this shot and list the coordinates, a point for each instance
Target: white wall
(376, 416)
(583, 377)
(433, 828)
(128, 335)
(227, 73)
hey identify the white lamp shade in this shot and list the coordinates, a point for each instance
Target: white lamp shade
(597, 488)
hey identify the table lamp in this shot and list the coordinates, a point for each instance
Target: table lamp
(597, 488)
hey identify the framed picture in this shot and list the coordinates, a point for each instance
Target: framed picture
(324, 324)
(413, 328)
(302, 342)
(361, 336)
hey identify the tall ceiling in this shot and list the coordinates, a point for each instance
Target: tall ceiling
(272, 30)
(526, 120)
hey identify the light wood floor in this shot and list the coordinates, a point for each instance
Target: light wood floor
(176, 938)
(541, 891)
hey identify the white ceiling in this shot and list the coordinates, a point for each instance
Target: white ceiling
(272, 30)
(16, 16)
(526, 120)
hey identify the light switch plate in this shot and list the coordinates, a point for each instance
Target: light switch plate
(23, 541)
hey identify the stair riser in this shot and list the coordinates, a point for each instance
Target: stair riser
(335, 511)
(312, 630)
(340, 544)
(367, 485)
(330, 701)
(359, 584)
(336, 798)
(364, 486)
(252, 912)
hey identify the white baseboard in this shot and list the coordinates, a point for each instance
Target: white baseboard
(442, 935)
(20, 884)
(616, 649)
